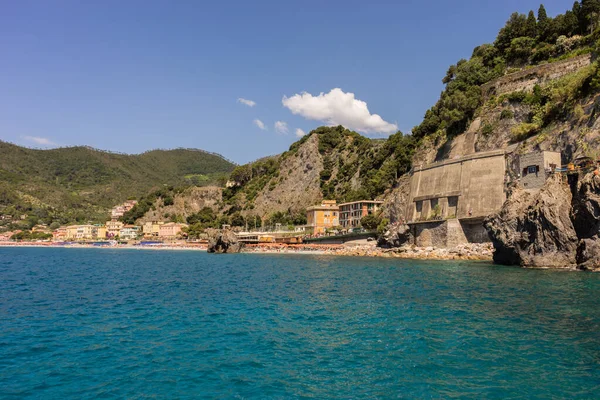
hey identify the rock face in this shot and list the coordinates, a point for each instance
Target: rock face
(557, 227)
(397, 235)
(535, 230)
(586, 218)
(223, 241)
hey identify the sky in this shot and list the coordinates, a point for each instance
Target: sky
(241, 78)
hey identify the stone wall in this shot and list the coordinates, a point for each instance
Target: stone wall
(430, 234)
(449, 233)
(467, 187)
(526, 80)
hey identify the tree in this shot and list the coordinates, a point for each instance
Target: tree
(590, 9)
(531, 26)
(543, 23)
(370, 222)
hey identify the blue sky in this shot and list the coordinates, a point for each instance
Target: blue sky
(131, 76)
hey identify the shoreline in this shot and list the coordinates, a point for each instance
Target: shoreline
(464, 253)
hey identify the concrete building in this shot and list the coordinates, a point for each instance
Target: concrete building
(536, 167)
(450, 199)
(322, 217)
(151, 229)
(170, 230)
(351, 213)
(129, 232)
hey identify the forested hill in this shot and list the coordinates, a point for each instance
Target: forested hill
(81, 183)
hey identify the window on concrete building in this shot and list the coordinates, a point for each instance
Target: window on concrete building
(533, 169)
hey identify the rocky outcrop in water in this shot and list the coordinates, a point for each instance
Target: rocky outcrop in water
(557, 227)
(223, 241)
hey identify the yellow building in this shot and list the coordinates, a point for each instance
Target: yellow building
(113, 227)
(100, 232)
(152, 229)
(322, 217)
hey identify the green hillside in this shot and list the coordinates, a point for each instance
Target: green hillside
(81, 183)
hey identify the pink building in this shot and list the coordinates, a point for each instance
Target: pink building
(170, 230)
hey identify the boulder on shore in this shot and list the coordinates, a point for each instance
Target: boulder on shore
(223, 241)
(395, 236)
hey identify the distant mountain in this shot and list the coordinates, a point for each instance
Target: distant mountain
(82, 183)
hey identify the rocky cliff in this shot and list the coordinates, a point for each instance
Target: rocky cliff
(556, 227)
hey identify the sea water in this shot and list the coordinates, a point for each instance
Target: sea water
(98, 323)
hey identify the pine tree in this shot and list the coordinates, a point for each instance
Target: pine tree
(542, 16)
(531, 26)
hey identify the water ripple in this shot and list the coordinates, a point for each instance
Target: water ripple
(86, 324)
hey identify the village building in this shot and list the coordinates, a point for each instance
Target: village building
(170, 230)
(100, 231)
(322, 217)
(352, 212)
(536, 167)
(121, 209)
(113, 227)
(129, 232)
(151, 229)
(59, 234)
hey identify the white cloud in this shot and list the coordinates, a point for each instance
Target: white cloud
(247, 102)
(338, 108)
(260, 124)
(300, 132)
(281, 127)
(39, 140)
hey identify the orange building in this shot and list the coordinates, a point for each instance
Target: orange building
(351, 213)
(322, 217)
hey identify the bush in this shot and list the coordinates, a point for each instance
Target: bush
(507, 114)
(487, 130)
(523, 131)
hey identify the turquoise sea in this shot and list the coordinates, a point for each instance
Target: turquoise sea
(137, 324)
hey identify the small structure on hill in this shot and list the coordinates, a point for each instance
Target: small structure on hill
(536, 167)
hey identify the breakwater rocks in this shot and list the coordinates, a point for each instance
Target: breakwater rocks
(223, 241)
(556, 227)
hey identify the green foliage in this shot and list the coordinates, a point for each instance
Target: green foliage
(383, 226)
(487, 129)
(81, 184)
(507, 114)
(287, 218)
(370, 222)
(28, 235)
(522, 41)
(523, 131)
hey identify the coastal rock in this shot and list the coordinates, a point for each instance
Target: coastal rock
(223, 241)
(586, 218)
(588, 254)
(535, 229)
(395, 236)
